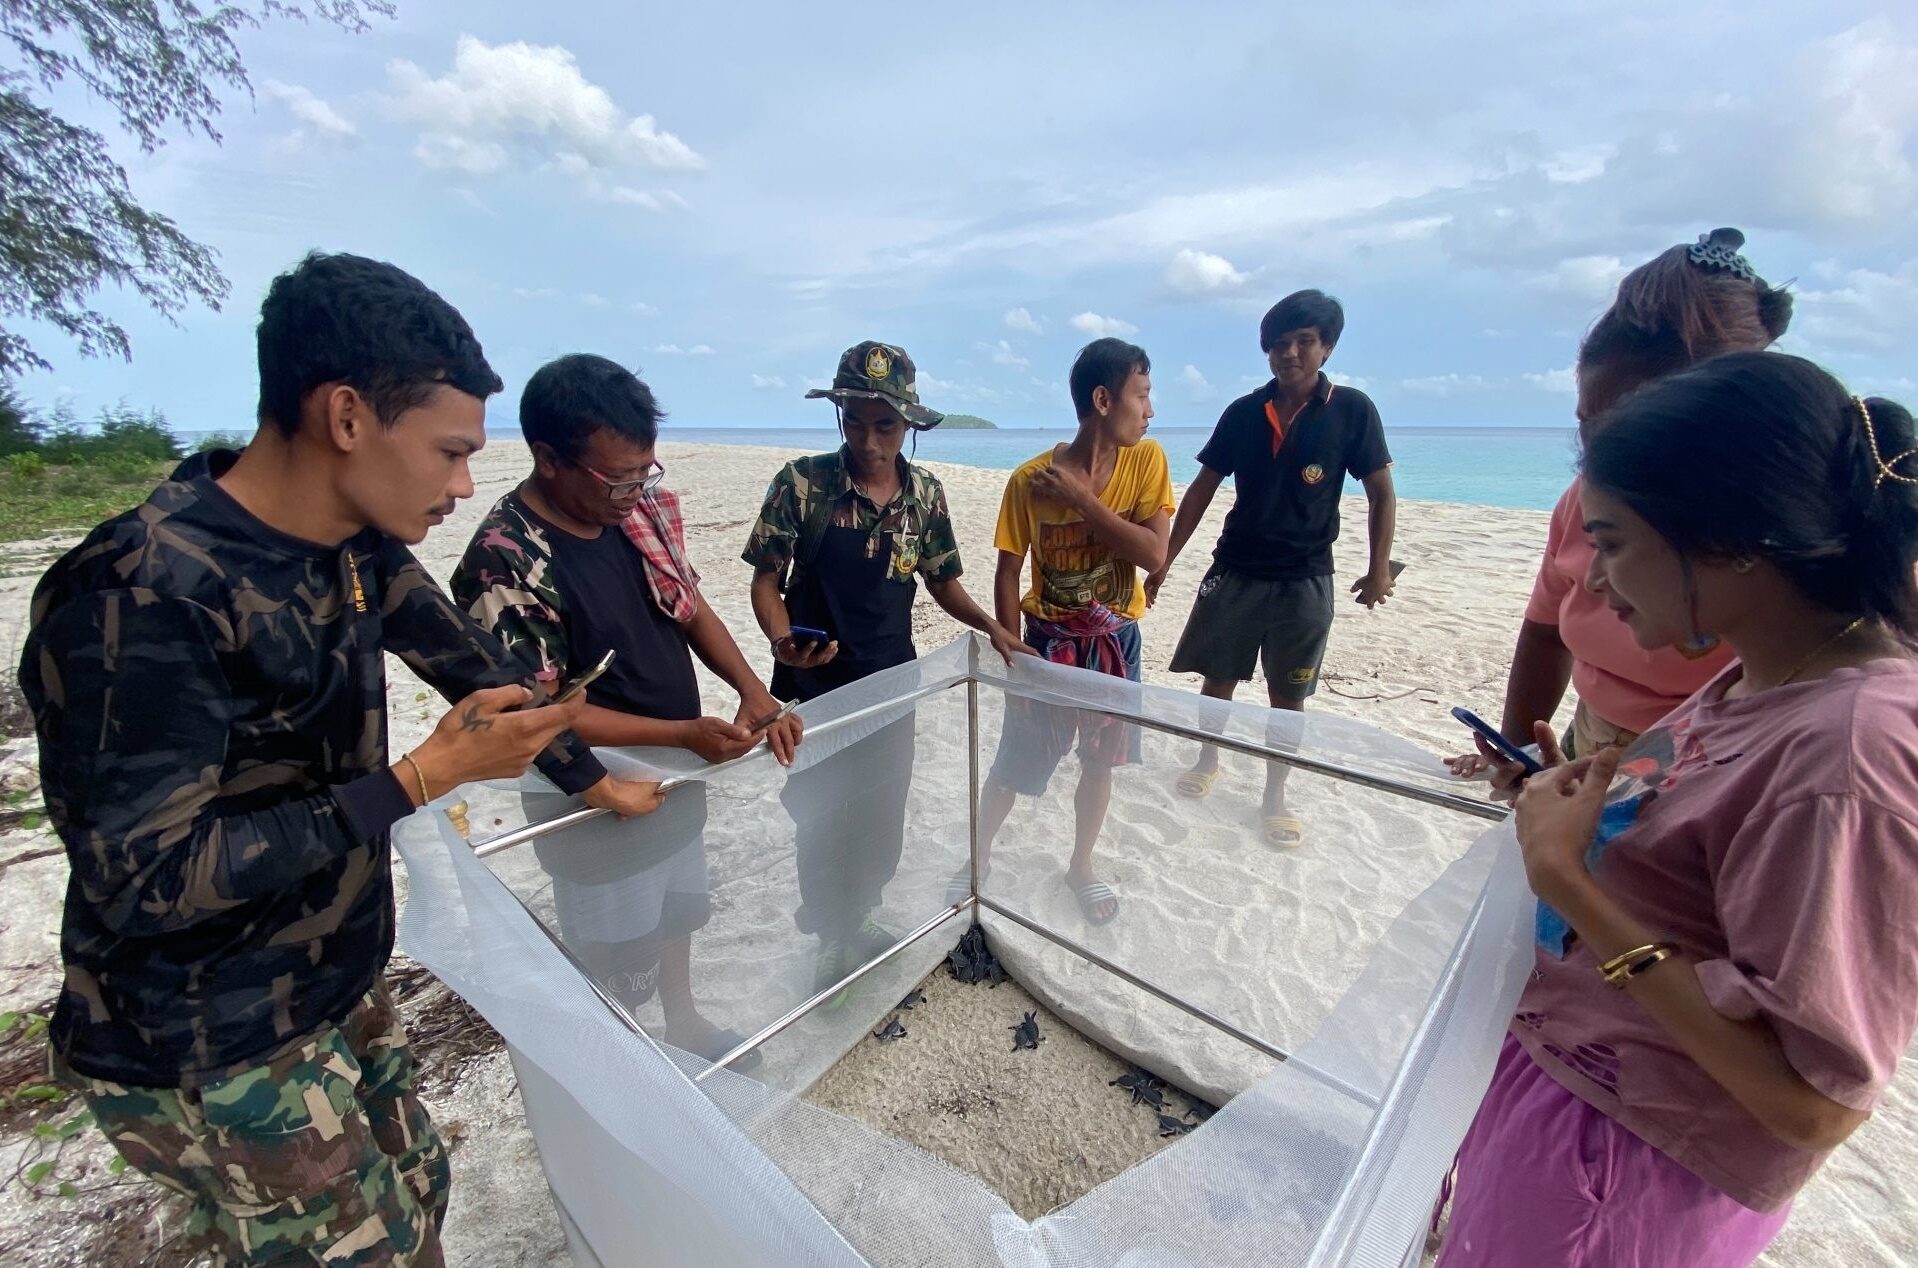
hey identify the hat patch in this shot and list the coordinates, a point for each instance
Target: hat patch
(878, 363)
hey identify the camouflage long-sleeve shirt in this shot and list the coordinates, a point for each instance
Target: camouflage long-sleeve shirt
(210, 697)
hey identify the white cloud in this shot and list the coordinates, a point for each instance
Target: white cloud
(642, 308)
(1097, 326)
(1345, 380)
(674, 350)
(532, 100)
(1446, 384)
(1563, 380)
(317, 119)
(1588, 278)
(1202, 273)
(1196, 385)
(592, 300)
(534, 292)
(1858, 309)
(1003, 353)
(768, 381)
(1021, 320)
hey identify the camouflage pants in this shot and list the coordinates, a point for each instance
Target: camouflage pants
(322, 1156)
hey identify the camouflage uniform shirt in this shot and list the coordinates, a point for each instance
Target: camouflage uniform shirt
(210, 697)
(915, 528)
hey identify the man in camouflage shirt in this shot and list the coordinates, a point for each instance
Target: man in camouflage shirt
(207, 678)
(838, 548)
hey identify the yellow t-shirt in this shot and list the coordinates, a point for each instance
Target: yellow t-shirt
(1071, 567)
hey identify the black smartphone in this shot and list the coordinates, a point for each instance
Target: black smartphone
(761, 724)
(1398, 566)
(1500, 745)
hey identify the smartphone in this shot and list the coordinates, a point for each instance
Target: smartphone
(762, 723)
(804, 634)
(586, 679)
(1398, 566)
(1500, 745)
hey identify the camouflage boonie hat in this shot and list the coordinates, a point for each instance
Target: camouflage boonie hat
(881, 372)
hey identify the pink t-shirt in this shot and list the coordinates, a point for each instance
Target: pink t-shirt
(1775, 840)
(1617, 679)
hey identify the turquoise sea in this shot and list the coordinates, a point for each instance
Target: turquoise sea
(1523, 468)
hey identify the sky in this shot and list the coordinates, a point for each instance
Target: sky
(724, 197)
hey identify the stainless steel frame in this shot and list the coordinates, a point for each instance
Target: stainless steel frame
(1152, 988)
(975, 902)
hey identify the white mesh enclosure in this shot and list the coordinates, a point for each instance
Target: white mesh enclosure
(1346, 997)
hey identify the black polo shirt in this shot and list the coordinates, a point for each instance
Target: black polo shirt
(1286, 516)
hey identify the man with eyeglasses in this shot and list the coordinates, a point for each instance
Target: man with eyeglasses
(586, 556)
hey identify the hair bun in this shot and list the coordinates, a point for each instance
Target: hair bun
(1718, 250)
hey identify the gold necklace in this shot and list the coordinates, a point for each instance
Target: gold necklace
(1822, 648)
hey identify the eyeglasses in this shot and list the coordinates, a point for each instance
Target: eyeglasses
(618, 490)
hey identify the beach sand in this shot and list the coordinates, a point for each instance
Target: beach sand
(1445, 639)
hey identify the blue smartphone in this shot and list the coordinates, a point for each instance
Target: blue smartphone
(1502, 746)
(806, 634)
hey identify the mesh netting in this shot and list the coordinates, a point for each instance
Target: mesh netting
(1381, 958)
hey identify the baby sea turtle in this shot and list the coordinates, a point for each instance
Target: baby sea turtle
(973, 962)
(1196, 1109)
(1170, 1126)
(1146, 1088)
(917, 997)
(1026, 1033)
(892, 1030)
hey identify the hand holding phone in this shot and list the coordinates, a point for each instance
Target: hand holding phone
(1499, 744)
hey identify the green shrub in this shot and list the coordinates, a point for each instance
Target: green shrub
(26, 466)
(220, 440)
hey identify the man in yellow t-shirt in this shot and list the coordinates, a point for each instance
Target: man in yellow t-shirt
(1092, 514)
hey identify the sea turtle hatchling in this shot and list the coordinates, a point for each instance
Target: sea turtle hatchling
(1170, 1126)
(1146, 1088)
(892, 1030)
(908, 1003)
(1026, 1033)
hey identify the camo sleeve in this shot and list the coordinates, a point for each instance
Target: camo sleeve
(131, 780)
(451, 651)
(505, 584)
(938, 543)
(775, 534)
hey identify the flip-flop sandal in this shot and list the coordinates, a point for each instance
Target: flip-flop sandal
(1284, 832)
(1093, 895)
(1196, 783)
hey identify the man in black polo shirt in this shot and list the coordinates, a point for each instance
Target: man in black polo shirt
(1268, 594)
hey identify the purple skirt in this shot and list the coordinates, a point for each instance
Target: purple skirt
(1543, 1178)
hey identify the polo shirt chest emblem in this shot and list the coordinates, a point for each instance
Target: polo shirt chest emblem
(1312, 474)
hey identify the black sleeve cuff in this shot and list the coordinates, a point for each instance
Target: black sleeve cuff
(372, 803)
(574, 773)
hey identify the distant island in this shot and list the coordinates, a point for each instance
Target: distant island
(968, 422)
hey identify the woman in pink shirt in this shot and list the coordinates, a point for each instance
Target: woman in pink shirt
(1727, 970)
(1687, 304)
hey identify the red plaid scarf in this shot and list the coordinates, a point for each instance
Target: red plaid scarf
(656, 529)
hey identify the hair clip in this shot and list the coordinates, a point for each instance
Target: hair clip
(1719, 250)
(1887, 467)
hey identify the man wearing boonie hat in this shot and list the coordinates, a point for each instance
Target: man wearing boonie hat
(839, 547)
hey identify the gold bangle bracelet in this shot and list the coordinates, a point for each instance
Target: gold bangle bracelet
(1623, 958)
(1623, 975)
(419, 776)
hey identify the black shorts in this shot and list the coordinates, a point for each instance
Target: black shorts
(1238, 621)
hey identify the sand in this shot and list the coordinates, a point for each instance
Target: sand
(1444, 639)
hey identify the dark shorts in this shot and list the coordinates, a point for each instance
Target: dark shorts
(1037, 736)
(1238, 621)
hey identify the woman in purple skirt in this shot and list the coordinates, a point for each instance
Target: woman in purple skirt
(1727, 970)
